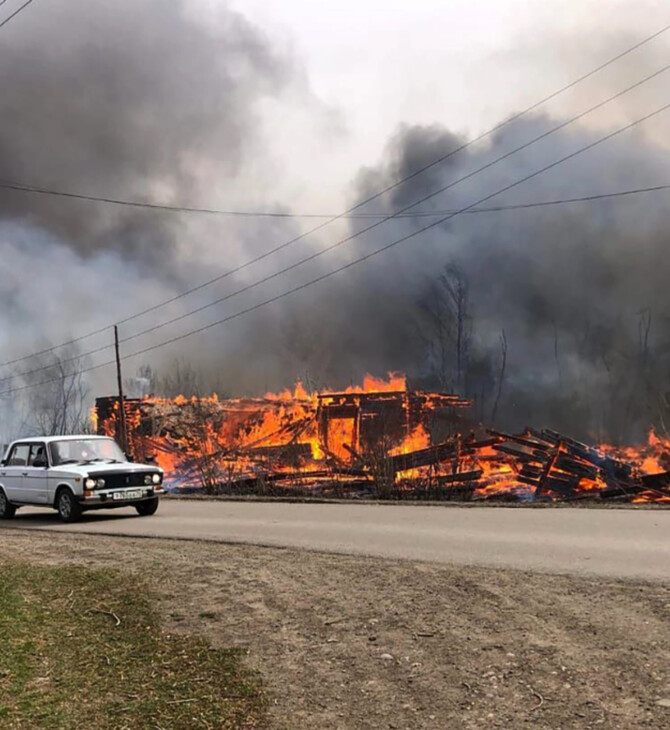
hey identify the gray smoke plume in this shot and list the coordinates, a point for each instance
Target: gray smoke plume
(149, 101)
(579, 291)
(146, 101)
(128, 100)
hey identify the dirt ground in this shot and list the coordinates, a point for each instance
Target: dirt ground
(360, 643)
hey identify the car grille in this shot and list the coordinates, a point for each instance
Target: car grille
(125, 479)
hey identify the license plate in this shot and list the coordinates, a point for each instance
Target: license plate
(130, 494)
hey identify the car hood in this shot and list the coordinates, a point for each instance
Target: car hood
(84, 470)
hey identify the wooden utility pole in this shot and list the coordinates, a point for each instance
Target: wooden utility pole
(122, 407)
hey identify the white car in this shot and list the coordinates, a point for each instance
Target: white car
(72, 474)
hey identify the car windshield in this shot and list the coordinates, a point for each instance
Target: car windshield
(82, 451)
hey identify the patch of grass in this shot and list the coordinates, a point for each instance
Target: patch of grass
(83, 648)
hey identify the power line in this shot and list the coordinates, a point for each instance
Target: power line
(215, 211)
(15, 13)
(19, 187)
(357, 261)
(493, 209)
(351, 216)
(542, 203)
(371, 198)
(351, 237)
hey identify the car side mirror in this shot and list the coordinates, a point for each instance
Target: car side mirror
(150, 459)
(40, 463)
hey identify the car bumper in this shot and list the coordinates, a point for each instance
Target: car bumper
(108, 498)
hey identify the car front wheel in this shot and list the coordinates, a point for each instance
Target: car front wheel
(148, 508)
(7, 510)
(68, 507)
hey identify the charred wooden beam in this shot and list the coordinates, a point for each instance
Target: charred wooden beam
(317, 474)
(578, 446)
(516, 453)
(614, 467)
(282, 452)
(531, 471)
(621, 489)
(462, 476)
(431, 455)
(542, 485)
(421, 457)
(542, 436)
(566, 463)
(656, 481)
(248, 482)
(523, 441)
(553, 485)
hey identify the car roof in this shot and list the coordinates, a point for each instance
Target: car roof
(50, 439)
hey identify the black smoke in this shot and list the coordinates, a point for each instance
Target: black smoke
(153, 101)
(579, 291)
(130, 100)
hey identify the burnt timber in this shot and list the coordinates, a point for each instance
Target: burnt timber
(353, 440)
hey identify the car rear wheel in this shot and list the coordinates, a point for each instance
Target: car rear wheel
(148, 508)
(68, 507)
(7, 510)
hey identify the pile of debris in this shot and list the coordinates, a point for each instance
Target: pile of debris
(382, 439)
(546, 465)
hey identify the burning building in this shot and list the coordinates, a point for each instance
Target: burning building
(382, 438)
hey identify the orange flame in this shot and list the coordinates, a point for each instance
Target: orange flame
(299, 437)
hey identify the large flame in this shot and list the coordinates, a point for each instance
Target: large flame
(652, 457)
(382, 434)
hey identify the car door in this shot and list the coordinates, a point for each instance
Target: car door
(12, 473)
(34, 487)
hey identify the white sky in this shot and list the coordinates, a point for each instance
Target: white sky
(380, 63)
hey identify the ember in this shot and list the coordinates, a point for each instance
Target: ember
(382, 439)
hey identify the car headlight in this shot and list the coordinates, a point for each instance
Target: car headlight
(147, 479)
(156, 478)
(90, 483)
(101, 483)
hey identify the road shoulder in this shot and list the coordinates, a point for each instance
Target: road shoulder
(354, 642)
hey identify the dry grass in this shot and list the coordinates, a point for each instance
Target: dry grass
(83, 648)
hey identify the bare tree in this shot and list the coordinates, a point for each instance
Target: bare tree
(501, 375)
(638, 381)
(446, 327)
(436, 326)
(57, 396)
(557, 359)
(456, 284)
(180, 379)
(14, 420)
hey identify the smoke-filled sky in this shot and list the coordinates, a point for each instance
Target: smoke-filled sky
(309, 108)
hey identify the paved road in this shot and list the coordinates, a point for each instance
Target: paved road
(622, 543)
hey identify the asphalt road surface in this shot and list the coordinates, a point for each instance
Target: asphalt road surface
(623, 543)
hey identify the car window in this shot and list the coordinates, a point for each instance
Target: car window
(107, 449)
(59, 452)
(75, 451)
(37, 452)
(19, 455)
